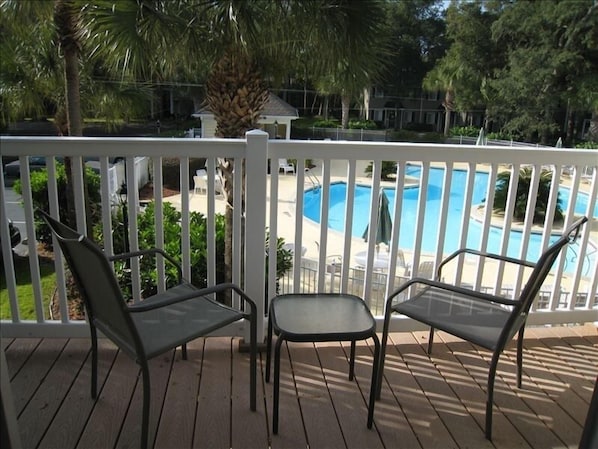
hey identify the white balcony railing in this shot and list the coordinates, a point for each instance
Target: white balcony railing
(424, 218)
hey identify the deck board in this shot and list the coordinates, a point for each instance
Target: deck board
(70, 420)
(214, 388)
(319, 417)
(435, 401)
(179, 408)
(46, 401)
(291, 427)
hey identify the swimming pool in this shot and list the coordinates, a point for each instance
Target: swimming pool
(336, 221)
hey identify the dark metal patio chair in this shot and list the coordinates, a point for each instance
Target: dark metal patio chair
(489, 321)
(154, 325)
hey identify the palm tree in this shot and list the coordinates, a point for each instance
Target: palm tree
(355, 70)
(50, 72)
(525, 178)
(442, 78)
(244, 43)
(32, 74)
(251, 40)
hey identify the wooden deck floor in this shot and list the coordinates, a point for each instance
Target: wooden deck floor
(428, 402)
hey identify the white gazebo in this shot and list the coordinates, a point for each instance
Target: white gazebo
(275, 120)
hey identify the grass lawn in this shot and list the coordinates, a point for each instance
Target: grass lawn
(25, 292)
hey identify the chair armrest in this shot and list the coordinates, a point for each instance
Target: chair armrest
(150, 252)
(448, 287)
(483, 254)
(141, 307)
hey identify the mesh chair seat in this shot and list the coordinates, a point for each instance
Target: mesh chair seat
(458, 314)
(186, 320)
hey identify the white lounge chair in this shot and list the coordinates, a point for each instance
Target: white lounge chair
(200, 182)
(285, 165)
(426, 270)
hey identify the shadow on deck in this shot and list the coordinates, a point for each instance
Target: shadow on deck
(435, 401)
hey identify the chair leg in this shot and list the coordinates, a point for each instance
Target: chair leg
(268, 349)
(184, 351)
(490, 394)
(352, 361)
(146, 405)
(430, 340)
(276, 386)
(253, 363)
(520, 356)
(94, 362)
(382, 354)
(374, 387)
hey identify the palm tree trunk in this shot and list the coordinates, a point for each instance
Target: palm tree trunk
(73, 98)
(448, 107)
(67, 26)
(345, 103)
(236, 95)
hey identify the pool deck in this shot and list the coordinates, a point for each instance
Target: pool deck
(311, 229)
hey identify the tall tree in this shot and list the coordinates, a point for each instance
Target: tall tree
(552, 61)
(32, 77)
(417, 40)
(467, 64)
(258, 37)
(52, 78)
(359, 60)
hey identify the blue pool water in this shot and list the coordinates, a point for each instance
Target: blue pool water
(312, 200)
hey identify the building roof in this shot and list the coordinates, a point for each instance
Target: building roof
(275, 106)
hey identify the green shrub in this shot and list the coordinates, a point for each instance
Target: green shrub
(388, 168)
(467, 131)
(172, 246)
(362, 124)
(284, 260)
(39, 194)
(523, 186)
(500, 136)
(590, 145)
(330, 123)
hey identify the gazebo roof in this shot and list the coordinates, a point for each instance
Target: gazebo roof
(275, 106)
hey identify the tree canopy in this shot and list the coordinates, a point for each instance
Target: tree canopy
(524, 62)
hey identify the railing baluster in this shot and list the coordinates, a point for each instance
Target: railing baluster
(158, 183)
(573, 283)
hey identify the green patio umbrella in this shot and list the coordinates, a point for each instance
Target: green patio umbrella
(384, 231)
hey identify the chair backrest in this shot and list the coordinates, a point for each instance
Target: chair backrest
(539, 273)
(101, 294)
